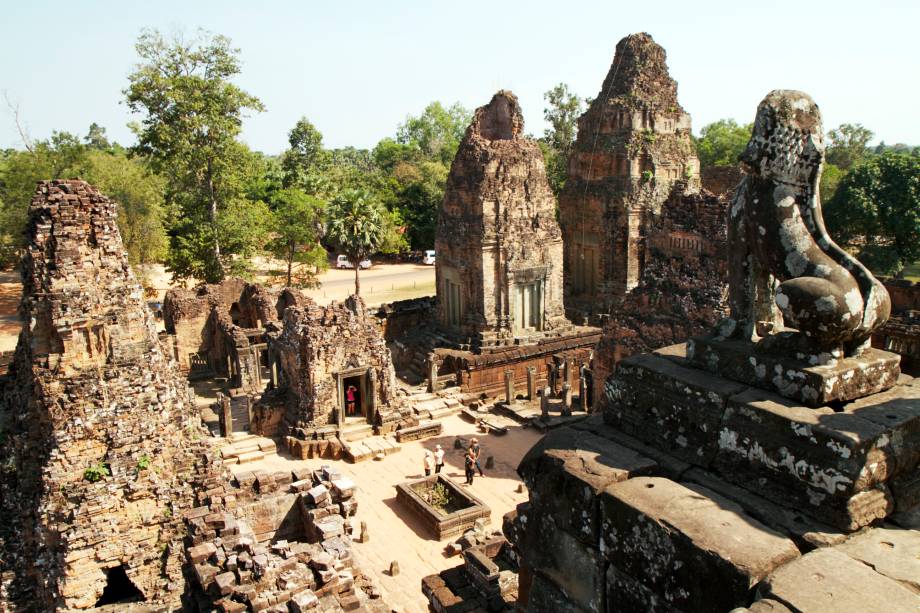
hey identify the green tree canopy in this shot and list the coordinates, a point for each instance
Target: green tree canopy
(721, 142)
(562, 112)
(297, 227)
(192, 116)
(356, 225)
(876, 212)
(305, 160)
(96, 138)
(847, 145)
(437, 132)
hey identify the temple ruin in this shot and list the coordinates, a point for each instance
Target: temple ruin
(633, 150)
(102, 446)
(499, 273)
(756, 465)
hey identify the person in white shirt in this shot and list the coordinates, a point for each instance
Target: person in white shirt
(438, 458)
(429, 463)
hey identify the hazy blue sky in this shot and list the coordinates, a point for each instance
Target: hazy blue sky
(356, 69)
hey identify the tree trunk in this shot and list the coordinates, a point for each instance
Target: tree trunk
(357, 283)
(290, 261)
(212, 214)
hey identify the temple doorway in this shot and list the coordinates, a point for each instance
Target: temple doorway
(119, 588)
(356, 389)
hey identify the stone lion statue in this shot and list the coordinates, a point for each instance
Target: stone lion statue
(784, 269)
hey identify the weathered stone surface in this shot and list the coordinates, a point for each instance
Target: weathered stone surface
(693, 548)
(768, 606)
(102, 456)
(819, 458)
(827, 580)
(889, 551)
(499, 265)
(632, 151)
(674, 408)
(799, 379)
(806, 532)
(782, 260)
(567, 470)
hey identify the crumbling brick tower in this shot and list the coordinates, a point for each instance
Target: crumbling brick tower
(499, 273)
(633, 149)
(98, 463)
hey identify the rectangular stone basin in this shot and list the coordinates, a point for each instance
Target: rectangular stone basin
(460, 514)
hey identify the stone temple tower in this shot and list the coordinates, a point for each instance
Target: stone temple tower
(633, 149)
(100, 451)
(499, 247)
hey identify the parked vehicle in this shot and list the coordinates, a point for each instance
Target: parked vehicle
(428, 259)
(342, 262)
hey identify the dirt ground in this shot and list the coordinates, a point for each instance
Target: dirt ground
(396, 533)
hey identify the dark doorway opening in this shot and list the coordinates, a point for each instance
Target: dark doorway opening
(119, 588)
(353, 388)
(235, 314)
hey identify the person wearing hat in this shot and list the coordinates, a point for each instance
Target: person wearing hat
(476, 451)
(429, 463)
(438, 458)
(469, 464)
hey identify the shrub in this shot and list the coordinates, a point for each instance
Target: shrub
(95, 472)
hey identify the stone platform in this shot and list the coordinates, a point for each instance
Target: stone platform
(846, 467)
(615, 524)
(802, 380)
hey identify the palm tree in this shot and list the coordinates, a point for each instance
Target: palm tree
(355, 226)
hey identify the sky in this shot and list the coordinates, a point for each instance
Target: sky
(357, 69)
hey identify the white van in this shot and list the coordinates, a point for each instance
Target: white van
(428, 259)
(342, 262)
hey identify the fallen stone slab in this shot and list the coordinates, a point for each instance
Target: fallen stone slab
(828, 580)
(890, 551)
(692, 548)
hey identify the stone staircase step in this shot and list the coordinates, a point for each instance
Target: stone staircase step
(250, 456)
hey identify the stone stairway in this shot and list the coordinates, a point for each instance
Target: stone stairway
(435, 405)
(370, 447)
(245, 448)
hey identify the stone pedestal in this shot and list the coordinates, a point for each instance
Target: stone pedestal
(799, 378)
(841, 465)
(509, 386)
(531, 383)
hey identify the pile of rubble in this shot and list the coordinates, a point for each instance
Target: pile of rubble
(281, 543)
(487, 580)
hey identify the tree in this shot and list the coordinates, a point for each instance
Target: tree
(562, 113)
(297, 229)
(876, 212)
(192, 118)
(356, 226)
(437, 132)
(305, 160)
(96, 139)
(722, 142)
(62, 156)
(847, 145)
(140, 197)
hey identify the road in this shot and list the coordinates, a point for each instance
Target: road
(379, 284)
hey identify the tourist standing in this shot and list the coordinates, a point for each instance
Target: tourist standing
(350, 401)
(429, 463)
(476, 451)
(438, 458)
(469, 463)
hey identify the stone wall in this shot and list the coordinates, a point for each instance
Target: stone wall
(101, 448)
(499, 247)
(683, 288)
(721, 180)
(632, 151)
(901, 334)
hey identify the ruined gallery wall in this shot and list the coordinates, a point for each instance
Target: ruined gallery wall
(103, 451)
(721, 180)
